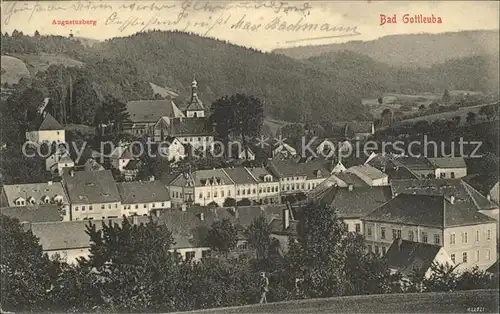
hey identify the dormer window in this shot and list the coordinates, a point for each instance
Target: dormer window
(31, 200)
(58, 199)
(20, 201)
(46, 199)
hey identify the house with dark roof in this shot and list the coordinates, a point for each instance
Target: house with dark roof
(143, 197)
(92, 195)
(33, 195)
(283, 151)
(201, 187)
(120, 156)
(467, 235)
(45, 129)
(268, 185)
(415, 258)
(144, 114)
(370, 175)
(34, 213)
(449, 167)
(353, 203)
(299, 177)
(246, 186)
(494, 193)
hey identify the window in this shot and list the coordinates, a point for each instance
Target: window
(109, 206)
(215, 193)
(452, 238)
(145, 206)
(452, 175)
(369, 231)
(464, 237)
(153, 205)
(487, 255)
(410, 235)
(205, 253)
(396, 234)
(243, 245)
(136, 206)
(190, 255)
(254, 191)
(452, 258)
(90, 207)
(358, 228)
(208, 194)
(382, 233)
(383, 250)
(437, 239)
(464, 257)
(238, 192)
(200, 196)
(243, 192)
(260, 190)
(376, 249)
(443, 175)
(76, 208)
(229, 193)
(163, 204)
(477, 256)
(58, 132)
(488, 235)
(477, 236)
(424, 237)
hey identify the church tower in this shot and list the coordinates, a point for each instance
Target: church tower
(195, 107)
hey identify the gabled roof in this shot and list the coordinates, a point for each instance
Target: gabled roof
(347, 178)
(260, 172)
(426, 210)
(358, 202)
(64, 235)
(463, 192)
(189, 127)
(202, 178)
(413, 163)
(91, 187)
(195, 103)
(46, 122)
(152, 110)
(143, 192)
(240, 175)
(93, 165)
(448, 162)
(36, 213)
(407, 256)
(121, 152)
(317, 168)
(367, 170)
(36, 190)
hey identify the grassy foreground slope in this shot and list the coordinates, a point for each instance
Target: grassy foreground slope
(483, 301)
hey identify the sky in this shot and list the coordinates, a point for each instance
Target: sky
(264, 25)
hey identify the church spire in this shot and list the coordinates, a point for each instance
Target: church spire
(194, 89)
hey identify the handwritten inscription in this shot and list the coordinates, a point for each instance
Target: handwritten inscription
(190, 15)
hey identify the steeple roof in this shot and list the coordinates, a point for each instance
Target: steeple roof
(195, 104)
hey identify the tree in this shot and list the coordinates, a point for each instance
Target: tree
(244, 202)
(259, 237)
(422, 107)
(37, 34)
(213, 204)
(456, 120)
(471, 117)
(238, 114)
(26, 272)
(434, 106)
(487, 111)
(380, 100)
(386, 116)
(222, 236)
(111, 116)
(229, 202)
(446, 97)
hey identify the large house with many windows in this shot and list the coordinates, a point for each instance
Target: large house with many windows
(468, 236)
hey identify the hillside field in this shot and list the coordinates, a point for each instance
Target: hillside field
(479, 301)
(13, 69)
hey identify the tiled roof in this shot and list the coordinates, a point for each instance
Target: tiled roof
(91, 187)
(63, 235)
(38, 191)
(152, 110)
(92, 165)
(448, 162)
(367, 170)
(358, 202)
(143, 192)
(290, 168)
(36, 213)
(189, 126)
(260, 172)
(407, 256)
(350, 179)
(276, 226)
(427, 210)
(46, 123)
(462, 191)
(413, 163)
(240, 175)
(203, 177)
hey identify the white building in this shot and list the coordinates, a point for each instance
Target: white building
(58, 161)
(449, 167)
(143, 198)
(46, 129)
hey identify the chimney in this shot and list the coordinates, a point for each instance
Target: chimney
(286, 218)
(400, 241)
(202, 216)
(452, 199)
(351, 187)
